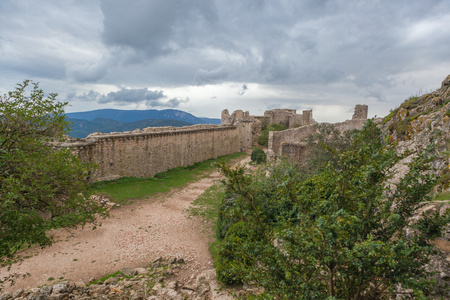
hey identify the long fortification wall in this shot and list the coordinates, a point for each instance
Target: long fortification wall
(146, 153)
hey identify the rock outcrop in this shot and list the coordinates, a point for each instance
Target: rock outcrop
(422, 121)
(157, 281)
(419, 122)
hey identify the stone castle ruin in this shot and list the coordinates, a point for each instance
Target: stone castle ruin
(146, 152)
(288, 143)
(287, 117)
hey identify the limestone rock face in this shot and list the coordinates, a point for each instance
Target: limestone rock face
(446, 82)
(416, 124)
(421, 121)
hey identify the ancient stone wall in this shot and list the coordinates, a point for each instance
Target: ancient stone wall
(295, 151)
(360, 112)
(287, 143)
(291, 136)
(280, 116)
(146, 153)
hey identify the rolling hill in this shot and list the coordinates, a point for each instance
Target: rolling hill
(138, 115)
(115, 120)
(82, 128)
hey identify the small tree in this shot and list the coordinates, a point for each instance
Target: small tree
(258, 155)
(263, 139)
(341, 233)
(41, 187)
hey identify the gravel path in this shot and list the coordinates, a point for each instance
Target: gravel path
(134, 235)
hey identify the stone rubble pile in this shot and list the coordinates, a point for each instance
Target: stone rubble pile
(104, 201)
(154, 282)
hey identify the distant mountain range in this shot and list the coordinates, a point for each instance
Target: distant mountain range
(111, 120)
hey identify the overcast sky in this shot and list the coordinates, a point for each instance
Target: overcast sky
(202, 56)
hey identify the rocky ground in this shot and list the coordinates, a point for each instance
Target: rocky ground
(156, 281)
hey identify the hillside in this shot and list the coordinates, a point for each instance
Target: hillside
(138, 115)
(82, 128)
(421, 121)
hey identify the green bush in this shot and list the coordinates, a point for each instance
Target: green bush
(258, 155)
(232, 264)
(41, 187)
(262, 157)
(276, 127)
(336, 233)
(263, 139)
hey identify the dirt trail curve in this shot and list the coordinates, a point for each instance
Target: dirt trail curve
(134, 235)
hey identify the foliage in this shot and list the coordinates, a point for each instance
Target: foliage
(389, 117)
(40, 186)
(441, 196)
(319, 144)
(341, 232)
(232, 263)
(127, 188)
(258, 155)
(263, 139)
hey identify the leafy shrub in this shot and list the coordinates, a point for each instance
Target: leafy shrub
(338, 233)
(224, 221)
(258, 155)
(41, 188)
(232, 265)
(263, 139)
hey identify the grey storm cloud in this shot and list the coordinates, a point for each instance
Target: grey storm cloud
(210, 76)
(132, 96)
(126, 96)
(270, 41)
(211, 41)
(301, 47)
(151, 26)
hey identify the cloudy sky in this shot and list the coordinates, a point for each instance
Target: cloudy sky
(202, 56)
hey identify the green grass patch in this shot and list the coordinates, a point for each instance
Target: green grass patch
(411, 103)
(206, 205)
(390, 116)
(441, 196)
(214, 250)
(104, 278)
(124, 189)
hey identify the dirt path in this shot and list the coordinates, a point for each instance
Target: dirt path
(134, 235)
